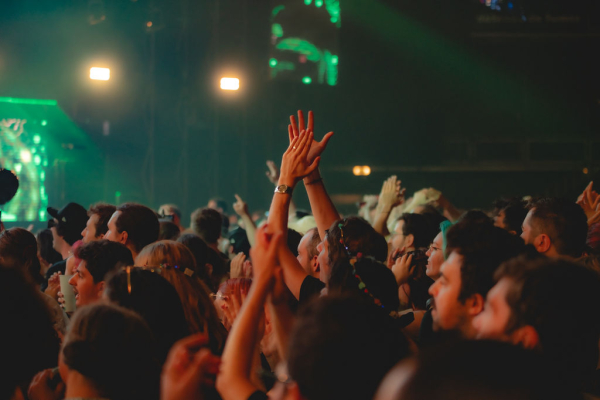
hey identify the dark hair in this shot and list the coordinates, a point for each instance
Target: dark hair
(113, 348)
(419, 284)
(18, 249)
(103, 256)
(31, 343)
(479, 369)
(378, 278)
(140, 223)
(104, 212)
(341, 347)
(483, 248)
(172, 208)
(220, 268)
(313, 243)
(168, 231)
(476, 216)
(199, 250)
(70, 234)
(222, 204)
(563, 221)
(419, 226)
(155, 299)
(515, 210)
(293, 240)
(544, 292)
(359, 237)
(45, 248)
(207, 222)
(238, 239)
(175, 259)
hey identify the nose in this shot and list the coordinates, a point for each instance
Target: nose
(433, 289)
(73, 280)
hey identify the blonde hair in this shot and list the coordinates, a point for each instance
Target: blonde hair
(177, 266)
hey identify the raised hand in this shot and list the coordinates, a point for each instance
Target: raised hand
(237, 266)
(391, 194)
(264, 254)
(273, 172)
(402, 269)
(295, 128)
(232, 308)
(589, 201)
(240, 207)
(41, 388)
(188, 369)
(295, 164)
(53, 285)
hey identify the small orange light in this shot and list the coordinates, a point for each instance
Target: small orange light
(357, 170)
(366, 170)
(586, 171)
(149, 24)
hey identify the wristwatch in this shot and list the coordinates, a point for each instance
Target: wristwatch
(283, 189)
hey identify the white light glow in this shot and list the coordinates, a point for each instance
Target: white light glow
(100, 74)
(230, 83)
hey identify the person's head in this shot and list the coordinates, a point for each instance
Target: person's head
(155, 299)
(176, 263)
(67, 225)
(114, 350)
(206, 223)
(134, 225)
(200, 250)
(97, 224)
(171, 211)
(168, 231)
(471, 370)
(218, 204)
(308, 253)
(367, 276)
(98, 258)
(509, 215)
(293, 241)
(435, 252)
(18, 250)
(230, 287)
(556, 227)
(347, 238)
(474, 252)
(551, 305)
(341, 347)
(31, 343)
(412, 231)
(238, 242)
(46, 253)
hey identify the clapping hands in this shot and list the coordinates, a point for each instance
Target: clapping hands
(589, 200)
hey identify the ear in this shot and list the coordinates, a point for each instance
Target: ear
(124, 237)
(409, 240)
(100, 236)
(527, 337)
(315, 264)
(513, 232)
(542, 243)
(475, 304)
(99, 289)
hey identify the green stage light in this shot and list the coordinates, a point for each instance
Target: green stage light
(44, 122)
(319, 3)
(308, 2)
(307, 80)
(273, 62)
(37, 160)
(39, 102)
(37, 139)
(117, 194)
(25, 156)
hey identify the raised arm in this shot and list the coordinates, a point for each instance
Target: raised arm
(234, 381)
(321, 205)
(390, 197)
(241, 209)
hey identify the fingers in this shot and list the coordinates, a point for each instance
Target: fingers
(325, 140)
(307, 143)
(294, 126)
(192, 341)
(313, 166)
(290, 133)
(311, 122)
(238, 198)
(301, 125)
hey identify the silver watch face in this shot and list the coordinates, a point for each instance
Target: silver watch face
(282, 188)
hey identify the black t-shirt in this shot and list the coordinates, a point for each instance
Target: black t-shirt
(60, 266)
(310, 287)
(258, 395)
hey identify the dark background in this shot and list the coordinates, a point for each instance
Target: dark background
(450, 94)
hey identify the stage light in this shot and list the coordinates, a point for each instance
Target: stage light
(37, 160)
(307, 80)
(273, 62)
(319, 3)
(25, 156)
(230, 83)
(149, 24)
(99, 74)
(586, 171)
(361, 170)
(44, 122)
(37, 139)
(18, 167)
